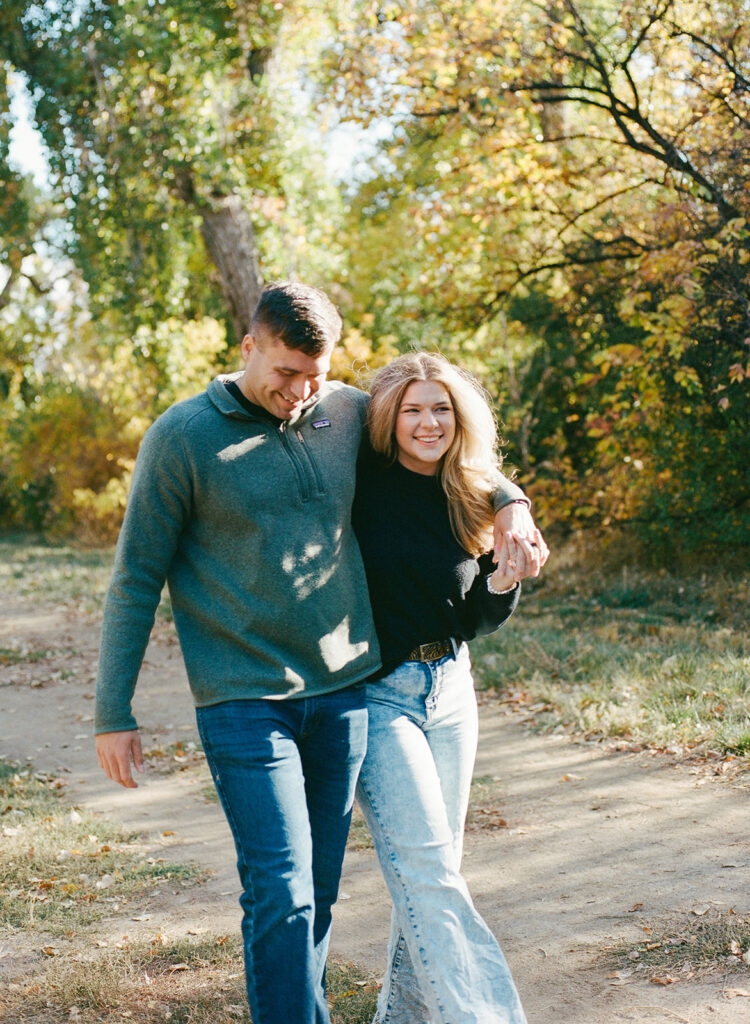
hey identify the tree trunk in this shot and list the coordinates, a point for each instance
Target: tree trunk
(552, 118)
(230, 241)
(7, 287)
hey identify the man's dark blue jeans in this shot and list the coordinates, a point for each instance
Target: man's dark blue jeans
(285, 772)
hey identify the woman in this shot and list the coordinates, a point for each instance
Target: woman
(423, 516)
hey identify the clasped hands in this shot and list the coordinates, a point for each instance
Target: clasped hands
(520, 550)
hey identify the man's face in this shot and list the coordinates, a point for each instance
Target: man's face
(278, 378)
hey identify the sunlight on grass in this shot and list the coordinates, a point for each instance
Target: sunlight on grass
(201, 982)
(654, 659)
(55, 574)
(58, 575)
(62, 868)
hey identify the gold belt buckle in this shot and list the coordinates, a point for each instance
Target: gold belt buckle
(433, 651)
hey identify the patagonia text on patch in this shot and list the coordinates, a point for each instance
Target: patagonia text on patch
(321, 423)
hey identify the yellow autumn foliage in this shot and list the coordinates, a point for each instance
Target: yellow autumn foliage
(68, 453)
(356, 358)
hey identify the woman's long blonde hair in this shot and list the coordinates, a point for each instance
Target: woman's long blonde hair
(471, 465)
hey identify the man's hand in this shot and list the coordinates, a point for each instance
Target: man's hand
(115, 750)
(520, 549)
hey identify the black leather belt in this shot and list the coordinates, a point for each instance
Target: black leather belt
(430, 652)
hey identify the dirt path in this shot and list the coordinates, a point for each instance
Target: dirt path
(598, 844)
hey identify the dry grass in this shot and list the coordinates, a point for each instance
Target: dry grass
(62, 868)
(485, 813)
(186, 982)
(700, 943)
(486, 805)
(359, 834)
(60, 574)
(57, 574)
(198, 982)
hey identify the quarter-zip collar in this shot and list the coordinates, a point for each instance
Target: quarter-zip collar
(227, 404)
(252, 407)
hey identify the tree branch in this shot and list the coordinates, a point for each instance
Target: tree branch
(656, 15)
(739, 78)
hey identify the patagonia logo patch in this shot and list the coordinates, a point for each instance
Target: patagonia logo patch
(321, 423)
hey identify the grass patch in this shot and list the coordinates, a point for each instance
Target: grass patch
(55, 574)
(199, 982)
(352, 993)
(656, 659)
(60, 574)
(359, 834)
(185, 982)
(22, 655)
(485, 813)
(696, 944)
(485, 805)
(61, 868)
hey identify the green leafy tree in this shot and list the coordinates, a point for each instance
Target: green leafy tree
(588, 160)
(183, 172)
(171, 133)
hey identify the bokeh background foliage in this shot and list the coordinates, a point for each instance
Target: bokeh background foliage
(554, 194)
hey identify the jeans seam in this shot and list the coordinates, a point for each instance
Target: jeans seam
(231, 820)
(397, 958)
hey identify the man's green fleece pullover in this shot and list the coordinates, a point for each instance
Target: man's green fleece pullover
(250, 526)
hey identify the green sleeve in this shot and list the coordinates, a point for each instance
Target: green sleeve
(158, 505)
(505, 493)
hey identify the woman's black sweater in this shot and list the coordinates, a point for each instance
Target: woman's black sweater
(423, 585)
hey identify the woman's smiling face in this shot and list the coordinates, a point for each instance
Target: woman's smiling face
(425, 426)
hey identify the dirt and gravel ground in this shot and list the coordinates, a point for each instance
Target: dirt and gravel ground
(576, 848)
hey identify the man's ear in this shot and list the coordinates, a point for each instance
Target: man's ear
(247, 345)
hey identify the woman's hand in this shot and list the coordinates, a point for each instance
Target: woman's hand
(520, 549)
(501, 581)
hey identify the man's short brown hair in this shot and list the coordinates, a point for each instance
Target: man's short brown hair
(300, 316)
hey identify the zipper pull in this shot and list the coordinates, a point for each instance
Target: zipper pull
(300, 438)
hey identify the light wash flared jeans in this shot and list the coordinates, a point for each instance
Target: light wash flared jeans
(444, 964)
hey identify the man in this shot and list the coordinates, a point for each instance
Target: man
(241, 501)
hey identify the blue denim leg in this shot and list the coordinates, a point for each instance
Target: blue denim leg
(445, 966)
(285, 773)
